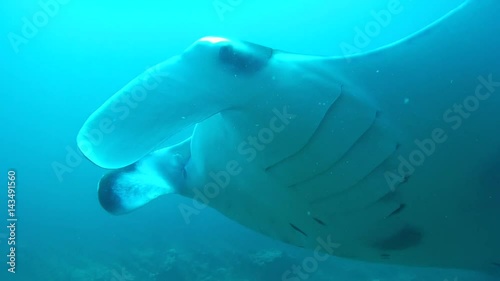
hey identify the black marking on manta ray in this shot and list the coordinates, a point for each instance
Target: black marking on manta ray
(319, 221)
(313, 135)
(405, 179)
(389, 197)
(397, 211)
(385, 256)
(407, 237)
(298, 229)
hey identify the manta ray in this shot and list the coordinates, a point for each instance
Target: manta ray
(388, 156)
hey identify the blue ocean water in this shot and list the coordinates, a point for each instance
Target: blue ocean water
(60, 60)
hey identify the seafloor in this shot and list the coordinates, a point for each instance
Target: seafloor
(205, 262)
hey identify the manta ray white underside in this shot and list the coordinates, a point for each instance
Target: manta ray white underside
(389, 156)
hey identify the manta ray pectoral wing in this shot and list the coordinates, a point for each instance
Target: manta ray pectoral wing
(438, 90)
(398, 113)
